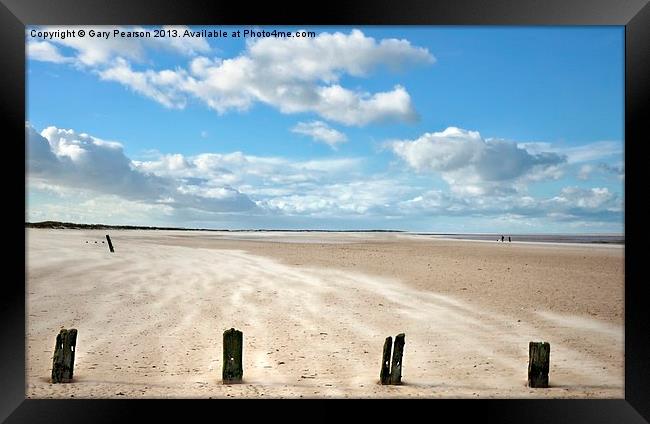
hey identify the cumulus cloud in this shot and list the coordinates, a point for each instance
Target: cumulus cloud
(328, 55)
(473, 165)
(302, 75)
(336, 188)
(77, 168)
(320, 131)
(60, 157)
(69, 164)
(294, 75)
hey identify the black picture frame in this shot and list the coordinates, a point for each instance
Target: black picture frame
(633, 14)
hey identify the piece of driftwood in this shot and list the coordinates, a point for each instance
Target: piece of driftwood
(539, 355)
(384, 375)
(63, 361)
(396, 366)
(233, 341)
(110, 245)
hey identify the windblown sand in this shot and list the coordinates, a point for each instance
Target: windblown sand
(315, 309)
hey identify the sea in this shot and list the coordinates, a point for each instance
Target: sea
(540, 238)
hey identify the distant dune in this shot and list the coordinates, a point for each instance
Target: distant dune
(58, 225)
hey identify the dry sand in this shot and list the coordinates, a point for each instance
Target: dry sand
(315, 309)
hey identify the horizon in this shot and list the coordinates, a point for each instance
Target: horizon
(445, 130)
(333, 230)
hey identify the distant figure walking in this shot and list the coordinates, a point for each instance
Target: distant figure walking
(501, 238)
(509, 239)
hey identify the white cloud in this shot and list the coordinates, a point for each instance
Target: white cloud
(597, 198)
(448, 150)
(472, 165)
(596, 204)
(617, 170)
(302, 75)
(328, 55)
(287, 188)
(320, 131)
(577, 154)
(76, 167)
(45, 52)
(601, 169)
(317, 188)
(161, 86)
(358, 108)
(585, 171)
(593, 151)
(91, 51)
(294, 75)
(238, 168)
(96, 51)
(188, 46)
(87, 207)
(60, 157)
(345, 198)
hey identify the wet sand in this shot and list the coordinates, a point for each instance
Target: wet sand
(315, 309)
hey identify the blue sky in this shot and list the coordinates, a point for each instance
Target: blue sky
(442, 129)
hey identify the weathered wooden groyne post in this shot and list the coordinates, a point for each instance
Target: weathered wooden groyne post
(63, 361)
(391, 371)
(384, 375)
(110, 245)
(539, 355)
(396, 366)
(233, 342)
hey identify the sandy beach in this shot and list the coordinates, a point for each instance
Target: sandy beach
(315, 309)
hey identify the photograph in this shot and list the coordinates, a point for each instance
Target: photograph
(347, 211)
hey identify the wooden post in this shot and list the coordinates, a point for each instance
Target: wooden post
(110, 245)
(233, 341)
(539, 354)
(396, 366)
(384, 375)
(63, 363)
